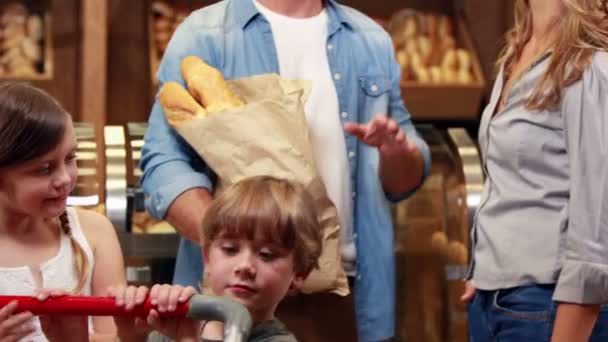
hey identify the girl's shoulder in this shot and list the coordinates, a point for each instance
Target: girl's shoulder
(94, 225)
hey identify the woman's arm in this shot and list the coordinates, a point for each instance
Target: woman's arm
(574, 322)
(583, 281)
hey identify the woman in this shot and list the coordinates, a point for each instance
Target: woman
(540, 239)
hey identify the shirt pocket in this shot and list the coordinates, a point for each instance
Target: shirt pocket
(541, 143)
(374, 95)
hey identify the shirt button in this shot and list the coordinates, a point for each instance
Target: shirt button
(344, 115)
(355, 236)
(374, 88)
(329, 46)
(358, 277)
(337, 76)
(353, 194)
(351, 154)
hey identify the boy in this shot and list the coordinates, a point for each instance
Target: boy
(261, 239)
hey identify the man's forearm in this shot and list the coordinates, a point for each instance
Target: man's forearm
(400, 174)
(187, 211)
(574, 322)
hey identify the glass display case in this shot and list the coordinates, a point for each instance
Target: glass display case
(432, 240)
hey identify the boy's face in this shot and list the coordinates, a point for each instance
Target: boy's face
(256, 274)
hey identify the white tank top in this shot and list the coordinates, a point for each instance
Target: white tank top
(57, 272)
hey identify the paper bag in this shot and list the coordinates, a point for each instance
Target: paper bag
(269, 136)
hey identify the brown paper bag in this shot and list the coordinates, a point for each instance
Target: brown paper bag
(269, 136)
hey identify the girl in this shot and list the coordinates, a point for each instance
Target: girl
(540, 236)
(44, 244)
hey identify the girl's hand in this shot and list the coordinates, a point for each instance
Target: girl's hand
(62, 328)
(14, 327)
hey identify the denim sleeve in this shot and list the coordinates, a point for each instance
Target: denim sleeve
(584, 275)
(170, 166)
(398, 113)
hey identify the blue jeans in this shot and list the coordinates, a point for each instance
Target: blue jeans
(525, 313)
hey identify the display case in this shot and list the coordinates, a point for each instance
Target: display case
(163, 18)
(88, 190)
(149, 252)
(442, 77)
(432, 240)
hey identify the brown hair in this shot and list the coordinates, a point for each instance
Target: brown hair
(32, 123)
(273, 209)
(582, 29)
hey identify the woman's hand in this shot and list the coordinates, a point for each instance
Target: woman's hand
(469, 292)
(574, 322)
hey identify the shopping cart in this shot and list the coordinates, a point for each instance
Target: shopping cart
(236, 318)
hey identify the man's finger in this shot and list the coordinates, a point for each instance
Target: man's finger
(355, 129)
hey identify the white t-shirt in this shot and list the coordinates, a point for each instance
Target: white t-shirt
(301, 50)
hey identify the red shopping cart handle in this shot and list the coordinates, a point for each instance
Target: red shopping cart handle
(88, 306)
(236, 318)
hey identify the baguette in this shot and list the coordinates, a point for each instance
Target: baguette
(208, 85)
(179, 106)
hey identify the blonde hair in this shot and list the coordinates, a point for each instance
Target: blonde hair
(271, 209)
(81, 262)
(582, 30)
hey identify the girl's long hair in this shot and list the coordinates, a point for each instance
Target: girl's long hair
(583, 29)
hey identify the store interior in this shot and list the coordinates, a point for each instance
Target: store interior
(98, 59)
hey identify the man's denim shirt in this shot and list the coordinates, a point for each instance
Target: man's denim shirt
(232, 36)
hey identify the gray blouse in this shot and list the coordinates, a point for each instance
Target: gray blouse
(543, 216)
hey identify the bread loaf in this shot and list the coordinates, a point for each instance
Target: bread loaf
(208, 85)
(179, 106)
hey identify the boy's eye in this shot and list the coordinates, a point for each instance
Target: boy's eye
(229, 249)
(71, 157)
(267, 254)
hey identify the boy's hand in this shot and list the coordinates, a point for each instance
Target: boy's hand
(14, 327)
(130, 328)
(62, 328)
(166, 298)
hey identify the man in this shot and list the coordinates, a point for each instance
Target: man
(350, 60)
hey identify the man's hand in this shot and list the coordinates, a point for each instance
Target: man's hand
(383, 133)
(401, 163)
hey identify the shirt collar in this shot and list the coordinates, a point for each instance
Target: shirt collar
(244, 11)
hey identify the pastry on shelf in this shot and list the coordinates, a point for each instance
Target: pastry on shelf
(22, 41)
(426, 49)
